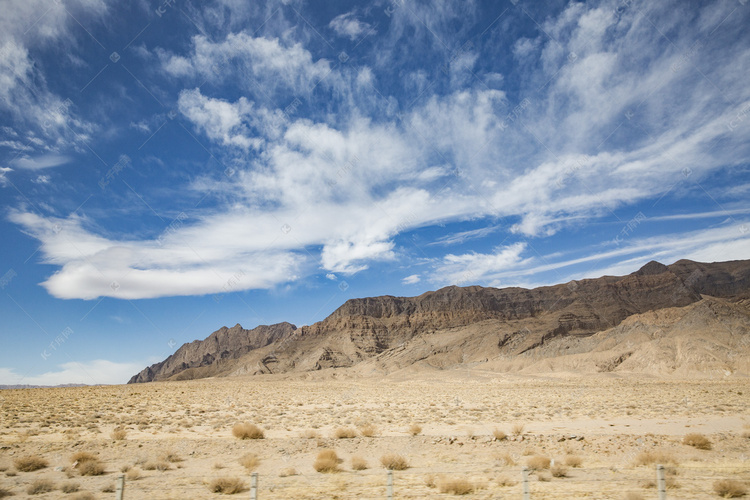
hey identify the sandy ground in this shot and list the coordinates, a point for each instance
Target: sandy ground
(605, 422)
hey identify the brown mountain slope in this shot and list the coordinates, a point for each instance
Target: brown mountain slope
(455, 325)
(218, 348)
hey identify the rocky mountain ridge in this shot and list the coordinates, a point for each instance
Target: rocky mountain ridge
(456, 325)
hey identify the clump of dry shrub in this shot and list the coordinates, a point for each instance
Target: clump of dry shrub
(40, 486)
(415, 429)
(359, 463)
(250, 462)
(327, 461)
(368, 430)
(538, 462)
(226, 485)
(697, 441)
(654, 457)
(456, 486)
(499, 435)
(729, 488)
(159, 465)
(344, 433)
(29, 463)
(393, 461)
(247, 431)
(70, 487)
(558, 470)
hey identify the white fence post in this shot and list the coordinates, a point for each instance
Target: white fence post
(526, 492)
(120, 487)
(254, 486)
(661, 483)
(389, 485)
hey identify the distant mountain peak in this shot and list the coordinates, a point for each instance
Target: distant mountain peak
(653, 267)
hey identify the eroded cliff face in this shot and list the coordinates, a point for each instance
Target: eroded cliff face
(453, 325)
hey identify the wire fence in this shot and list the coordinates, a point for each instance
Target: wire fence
(659, 482)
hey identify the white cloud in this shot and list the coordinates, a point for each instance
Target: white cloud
(464, 236)
(339, 186)
(411, 279)
(471, 268)
(99, 371)
(40, 162)
(221, 121)
(347, 257)
(269, 62)
(3, 173)
(331, 277)
(349, 26)
(509, 267)
(42, 120)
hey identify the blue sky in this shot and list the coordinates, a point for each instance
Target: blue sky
(167, 168)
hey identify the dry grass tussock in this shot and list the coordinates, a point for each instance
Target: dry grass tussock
(368, 430)
(415, 429)
(226, 485)
(159, 465)
(87, 464)
(729, 488)
(247, 431)
(82, 456)
(29, 463)
(456, 486)
(250, 462)
(359, 463)
(506, 458)
(327, 461)
(90, 468)
(558, 470)
(654, 457)
(393, 461)
(40, 486)
(697, 441)
(345, 433)
(70, 487)
(538, 462)
(499, 435)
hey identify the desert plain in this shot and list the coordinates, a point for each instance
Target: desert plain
(458, 432)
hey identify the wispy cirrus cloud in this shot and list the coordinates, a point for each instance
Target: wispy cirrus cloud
(350, 26)
(42, 120)
(514, 265)
(40, 162)
(607, 115)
